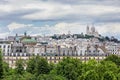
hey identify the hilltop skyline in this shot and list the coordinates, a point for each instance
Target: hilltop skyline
(38, 17)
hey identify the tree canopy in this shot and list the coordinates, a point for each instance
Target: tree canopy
(1, 65)
(37, 68)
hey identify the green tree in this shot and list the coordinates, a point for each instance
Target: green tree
(70, 72)
(89, 75)
(14, 77)
(69, 68)
(1, 65)
(19, 67)
(114, 58)
(51, 66)
(100, 69)
(28, 76)
(110, 66)
(6, 69)
(90, 65)
(38, 65)
(31, 65)
(109, 76)
(42, 66)
(107, 38)
(50, 77)
(104, 66)
(118, 76)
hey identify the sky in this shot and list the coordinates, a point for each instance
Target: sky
(47, 17)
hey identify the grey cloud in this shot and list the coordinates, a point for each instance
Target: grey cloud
(15, 16)
(3, 2)
(97, 2)
(108, 18)
(80, 2)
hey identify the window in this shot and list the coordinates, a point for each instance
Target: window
(80, 54)
(18, 54)
(50, 51)
(89, 51)
(27, 54)
(7, 54)
(8, 50)
(20, 50)
(22, 54)
(68, 52)
(72, 53)
(4, 46)
(76, 54)
(63, 51)
(50, 58)
(3, 50)
(8, 46)
(17, 50)
(63, 54)
(10, 54)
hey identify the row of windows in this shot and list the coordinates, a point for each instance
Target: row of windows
(57, 59)
(76, 54)
(80, 52)
(5, 46)
(7, 50)
(18, 54)
(82, 58)
(113, 50)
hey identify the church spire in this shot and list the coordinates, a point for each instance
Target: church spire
(87, 29)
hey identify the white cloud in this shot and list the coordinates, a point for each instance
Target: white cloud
(113, 28)
(61, 28)
(47, 10)
(58, 11)
(72, 27)
(15, 25)
(13, 6)
(3, 35)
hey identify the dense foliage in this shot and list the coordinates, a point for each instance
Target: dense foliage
(1, 65)
(37, 68)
